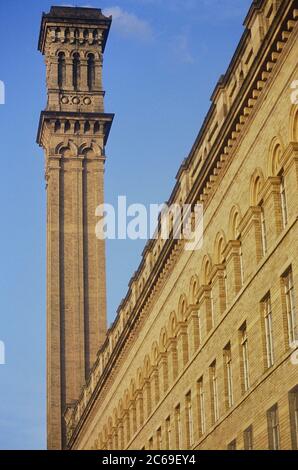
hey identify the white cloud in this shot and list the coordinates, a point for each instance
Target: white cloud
(129, 24)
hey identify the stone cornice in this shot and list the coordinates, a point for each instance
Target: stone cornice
(52, 116)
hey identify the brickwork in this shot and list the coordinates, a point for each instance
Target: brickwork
(185, 364)
(73, 131)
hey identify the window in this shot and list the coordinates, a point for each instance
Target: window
(273, 428)
(232, 445)
(225, 279)
(290, 306)
(61, 69)
(267, 316)
(202, 417)
(212, 307)
(241, 265)
(248, 438)
(228, 375)
(200, 327)
(189, 419)
(214, 392)
(293, 406)
(159, 439)
(178, 427)
(244, 356)
(237, 236)
(168, 433)
(76, 71)
(283, 201)
(263, 231)
(91, 71)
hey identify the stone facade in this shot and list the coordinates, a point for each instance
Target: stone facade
(200, 355)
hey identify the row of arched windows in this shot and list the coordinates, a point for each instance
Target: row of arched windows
(87, 126)
(76, 70)
(72, 35)
(220, 279)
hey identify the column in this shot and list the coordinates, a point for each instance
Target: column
(233, 268)
(154, 385)
(218, 291)
(53, 305)
(163, 373)
(182, 346)
(272, 209)
(251, 232)
(193, 329)
(172, 360)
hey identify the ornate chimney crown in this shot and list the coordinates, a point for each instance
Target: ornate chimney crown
(73, 41)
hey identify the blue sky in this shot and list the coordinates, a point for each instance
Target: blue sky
(162, 61)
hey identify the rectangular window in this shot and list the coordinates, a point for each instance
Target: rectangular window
(241, 265)
(244, 357)
(290, 306)
(212, 308)
(273, 428)
(293, 407)
(214, 392)
(202, 412)
(248, 438)
(283, 201)
(168, 433)
(178, 427)
(267, 318)
(189, 419)
(232, 445)
(200, 327)
(263, 232)
(228, 374)
(225, 279)
(159, 439)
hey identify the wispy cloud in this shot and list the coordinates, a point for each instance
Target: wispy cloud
(218, 10)
(171, 4)
(129, 24)
(181, 49)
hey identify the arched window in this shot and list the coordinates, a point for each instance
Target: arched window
(57, 126)
(283, 200)
(91, 71)
(86, 34)
(76, 71)
(61, 69)
(77, 127)
(263, 229)
(238, 237)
